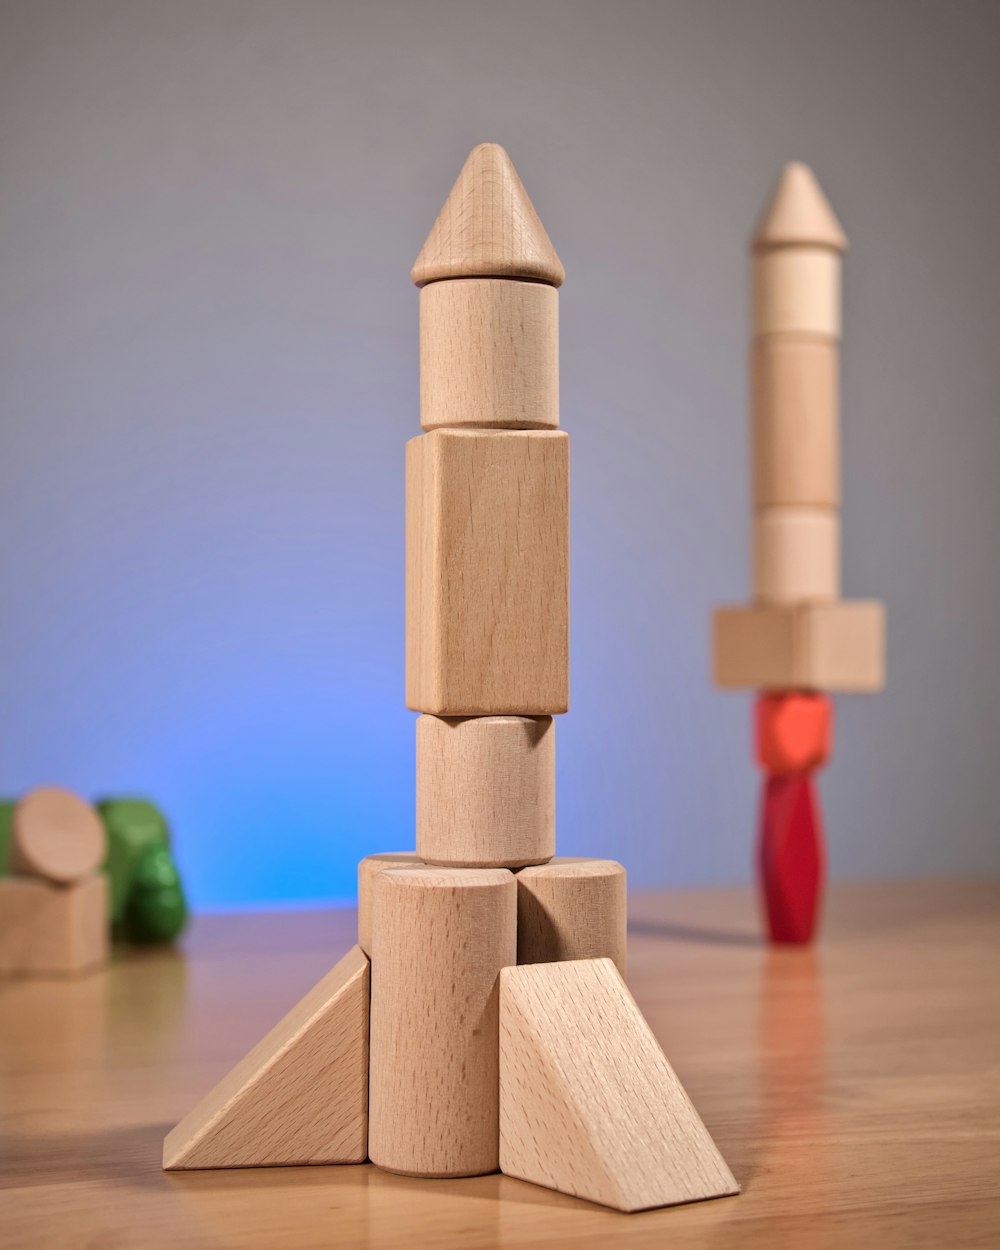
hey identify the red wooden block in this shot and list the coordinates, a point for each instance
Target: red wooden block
(791, 857)
(794, 731)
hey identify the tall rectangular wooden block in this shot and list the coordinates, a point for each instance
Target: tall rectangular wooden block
(52, 930)
(487, 572)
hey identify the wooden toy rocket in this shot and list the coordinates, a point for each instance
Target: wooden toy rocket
(799, 639)
(482, 1022)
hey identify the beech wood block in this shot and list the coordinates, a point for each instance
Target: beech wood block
(52, 930)
(489, 354)
(300, 1096)
(56, 835)
(796, 555)
(818, 646)
(793, 731)
(368, 870)
(441, 936)
(796, 290)
(790, 858)
(486, 791)
(487, 572)
(589, 1105)
(796, 439)
(799, 213)
(572, 909)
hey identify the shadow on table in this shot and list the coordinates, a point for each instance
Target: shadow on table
(675, 932)
(128, 1156)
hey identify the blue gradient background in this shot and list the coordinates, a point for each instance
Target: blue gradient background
(208, 373)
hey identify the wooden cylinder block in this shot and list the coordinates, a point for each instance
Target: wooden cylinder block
(796, 290)
(796, 555)
(486, 791)
(56, 835)
(489, 354)
(572, 909)
(796, 437)
(440, 938)
(368, 869)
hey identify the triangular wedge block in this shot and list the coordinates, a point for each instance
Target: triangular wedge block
(300, 1096)
(488, 228)
(589, 1104)
(799, 214)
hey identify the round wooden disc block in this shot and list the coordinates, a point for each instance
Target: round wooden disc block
(56, 835)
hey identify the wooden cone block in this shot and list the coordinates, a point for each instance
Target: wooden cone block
(572, 909)
(589, 1104)
(487, 572)
(53, 930)
(486, 791)
(300, 1096)
(56, 835)
(796, 555)
(368, 870)
(489, 354)
(440, 939)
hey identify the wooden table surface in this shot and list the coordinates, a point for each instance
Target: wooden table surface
(854, 1089)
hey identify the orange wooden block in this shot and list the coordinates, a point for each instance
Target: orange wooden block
(794, 731)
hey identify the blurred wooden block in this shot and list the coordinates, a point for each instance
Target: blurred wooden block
(796, 555)
(56, 835)
(368, 869)
(300, 1096)
(486, 791)
(52, 930)
(489, 354)
(796, 290)
(440, 938)
(572, 909)
(793, 731)
(589, 1105)
(487, 572)
(795, 395)
(818, 646)
(798, 213)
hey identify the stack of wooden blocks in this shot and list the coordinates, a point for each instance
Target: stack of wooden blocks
(482, 1022)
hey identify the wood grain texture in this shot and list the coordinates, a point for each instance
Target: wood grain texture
(489, 354)
(49, 930)
(796, 555)
(488, 227)
(589, 1104)
(300, 1096)
(487, 572)
(820, 646)
(851, 1089)
(486, 790)
(798, 213)
(796, 291)
(796, 428)
(572, 909)
(368, 869)
(440, 938)
(56, 835)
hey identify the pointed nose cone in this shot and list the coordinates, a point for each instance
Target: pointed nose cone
(799, 213)
(488, 228)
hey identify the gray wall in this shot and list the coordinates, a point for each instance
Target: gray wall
(208, 209)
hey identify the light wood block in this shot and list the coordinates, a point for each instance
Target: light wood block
(487, 572)
(489, 354)
(796, 290)
(486, 791)
(589, 1105)
(820, 646)
(52, 930)
(300, 1096)
(368, 870)
(56, 835)
(488, 227)
(572, 909)
(798, 213)
(796, 555)
(796, 435)
(441, 936)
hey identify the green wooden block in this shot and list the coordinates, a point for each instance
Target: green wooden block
(156, 910)
(132, 826)
(6, 827)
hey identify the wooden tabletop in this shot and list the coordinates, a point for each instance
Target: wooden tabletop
(854, 1089)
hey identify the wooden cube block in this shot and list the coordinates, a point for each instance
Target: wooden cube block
(796, 555)
(487, 572)
(793, 731)
(368, 870)
(56, 835)
(796, 290)
(572, 909)
(52, 930)
(819, 646)
(796, 452)
(440, 937)
(486, 791)
(489, 354)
